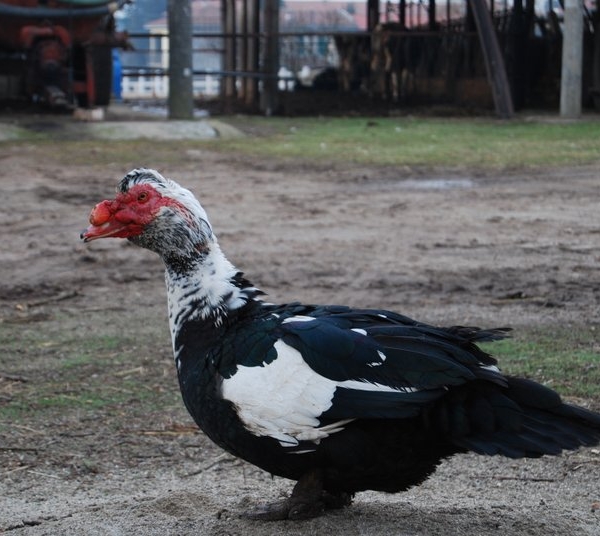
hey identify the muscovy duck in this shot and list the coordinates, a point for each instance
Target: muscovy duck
(339, 399)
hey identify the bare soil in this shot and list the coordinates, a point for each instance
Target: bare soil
(93, 436)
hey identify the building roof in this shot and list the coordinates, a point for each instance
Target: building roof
(294, 14)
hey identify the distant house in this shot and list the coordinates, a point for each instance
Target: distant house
(206, 19)
(316, 51)
(296, 52)
(323, 15)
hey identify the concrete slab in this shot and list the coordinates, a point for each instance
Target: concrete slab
(155, 130)
(120, 124)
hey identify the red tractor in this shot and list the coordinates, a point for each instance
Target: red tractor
(58, 51)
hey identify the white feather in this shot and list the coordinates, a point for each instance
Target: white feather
(493, 368)
(298, 318)
(208, 286)
(358, 385)
(359, 330)
(284, 399)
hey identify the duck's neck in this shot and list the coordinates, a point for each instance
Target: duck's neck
(207, 291)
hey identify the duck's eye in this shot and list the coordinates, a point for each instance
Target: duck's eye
(142, 197)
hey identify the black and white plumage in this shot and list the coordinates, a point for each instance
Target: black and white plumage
(339, 399)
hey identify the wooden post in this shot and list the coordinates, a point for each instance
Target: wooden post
(432, 16)
(223, 16)
(402, 14)
(372, 14)
(244, 59)
(229, 53)
(572, 53)
(181, 94)
(494, 62)
(253, 53)
(269, 100)
(448, 13)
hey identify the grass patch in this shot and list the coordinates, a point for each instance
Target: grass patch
(63, 375)
(429, 142)
(480, 143)
(90, 351)
(565, 360)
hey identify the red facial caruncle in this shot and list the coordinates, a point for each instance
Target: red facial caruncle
(126, 215)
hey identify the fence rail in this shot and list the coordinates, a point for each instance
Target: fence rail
(140, 85)
(145, 70)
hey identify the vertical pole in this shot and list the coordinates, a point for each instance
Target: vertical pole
(244, 58)
(181, 95)
(253, 54)
(402, 14)
(572, 54)
(269, 102)
(224, 45)
(432, 16)
(372, 14)
(232, 28)
(229, 51)
(494, 61)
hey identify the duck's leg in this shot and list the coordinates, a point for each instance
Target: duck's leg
(306, 501)
(336, 501)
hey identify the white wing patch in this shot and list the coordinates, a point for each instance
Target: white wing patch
(358, 385)
(284, 399)
(493, 368)
(299, 318)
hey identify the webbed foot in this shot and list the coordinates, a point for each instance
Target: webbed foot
(307, 500)
(286, 509)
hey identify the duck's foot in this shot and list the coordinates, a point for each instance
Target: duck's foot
(336, 501)
(307, 500)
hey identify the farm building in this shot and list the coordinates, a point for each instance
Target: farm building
(403, 54)
(280, 55)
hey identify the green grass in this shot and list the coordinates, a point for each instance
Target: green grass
(68, 374)
(479, 143)
(565, 360)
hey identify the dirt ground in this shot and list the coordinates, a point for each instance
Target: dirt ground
(94, 438)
